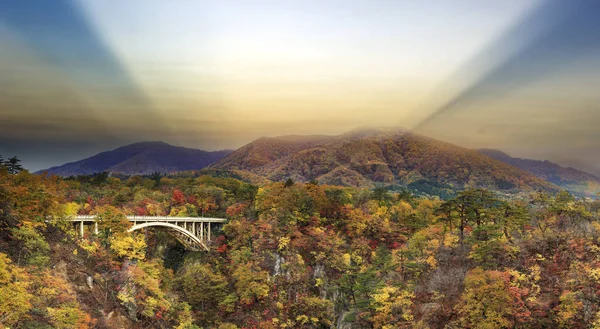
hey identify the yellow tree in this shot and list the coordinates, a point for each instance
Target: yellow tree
(131, 246)
(486, 302)
(14, 297)
(55, 295)
(568, 310)
(391, 307)
(111, 220)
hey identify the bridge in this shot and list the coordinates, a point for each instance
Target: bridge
(193, 232)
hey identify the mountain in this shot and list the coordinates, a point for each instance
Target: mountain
(370, 158)
(576, 181)
(141, 159)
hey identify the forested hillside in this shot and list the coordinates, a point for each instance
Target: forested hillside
(379, 158)
(140, 159)
(294, 255)
(576, 181)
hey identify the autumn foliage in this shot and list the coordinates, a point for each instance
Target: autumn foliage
(294, 255)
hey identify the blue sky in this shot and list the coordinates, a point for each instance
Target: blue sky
(82, 76)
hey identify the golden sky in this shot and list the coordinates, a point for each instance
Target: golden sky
(79, 77)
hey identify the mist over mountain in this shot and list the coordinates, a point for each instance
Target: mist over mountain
(369, 158)
(364, 157)
(141, 159)
(574, 180)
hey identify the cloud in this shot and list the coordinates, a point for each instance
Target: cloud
(532, 89)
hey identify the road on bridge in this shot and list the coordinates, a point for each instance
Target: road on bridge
(193, 232)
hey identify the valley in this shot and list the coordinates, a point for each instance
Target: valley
(319, 243)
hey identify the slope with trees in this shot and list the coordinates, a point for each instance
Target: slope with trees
(375, 159)
(294, 255)
(140, 159)
(575, 181)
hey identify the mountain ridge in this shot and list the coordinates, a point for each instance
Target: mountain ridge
(361, 157)
(139, 159)
(378, 158)
(572, 179)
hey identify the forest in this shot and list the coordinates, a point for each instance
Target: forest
(293, 255)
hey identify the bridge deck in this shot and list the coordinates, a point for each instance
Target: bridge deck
(91, 218)
(193, 232)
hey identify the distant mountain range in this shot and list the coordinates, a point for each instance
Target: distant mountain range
(365, 158)
(141, 159)
(373, 157)
(571, 179)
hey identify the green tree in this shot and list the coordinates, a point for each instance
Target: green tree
(288, 182)
(33, 247)
(203, 288)
(476, 207)
(381, 195)
(13, 165)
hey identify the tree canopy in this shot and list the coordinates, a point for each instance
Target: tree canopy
(294, 255)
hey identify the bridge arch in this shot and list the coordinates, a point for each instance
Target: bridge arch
(181, 234)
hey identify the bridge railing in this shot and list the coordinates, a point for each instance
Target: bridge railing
(156, 218)
(192, 231)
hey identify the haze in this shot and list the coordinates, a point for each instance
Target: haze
(80, 77)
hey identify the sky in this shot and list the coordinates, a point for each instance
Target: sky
(82, 76)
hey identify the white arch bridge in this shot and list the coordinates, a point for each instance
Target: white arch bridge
(193, 232)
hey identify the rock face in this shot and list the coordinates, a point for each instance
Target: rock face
(341, 324)
(429, 309)
(127, 291)
(367, 159)
(141, 159)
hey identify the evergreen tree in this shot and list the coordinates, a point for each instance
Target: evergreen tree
(288, 182)
(13, 165)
